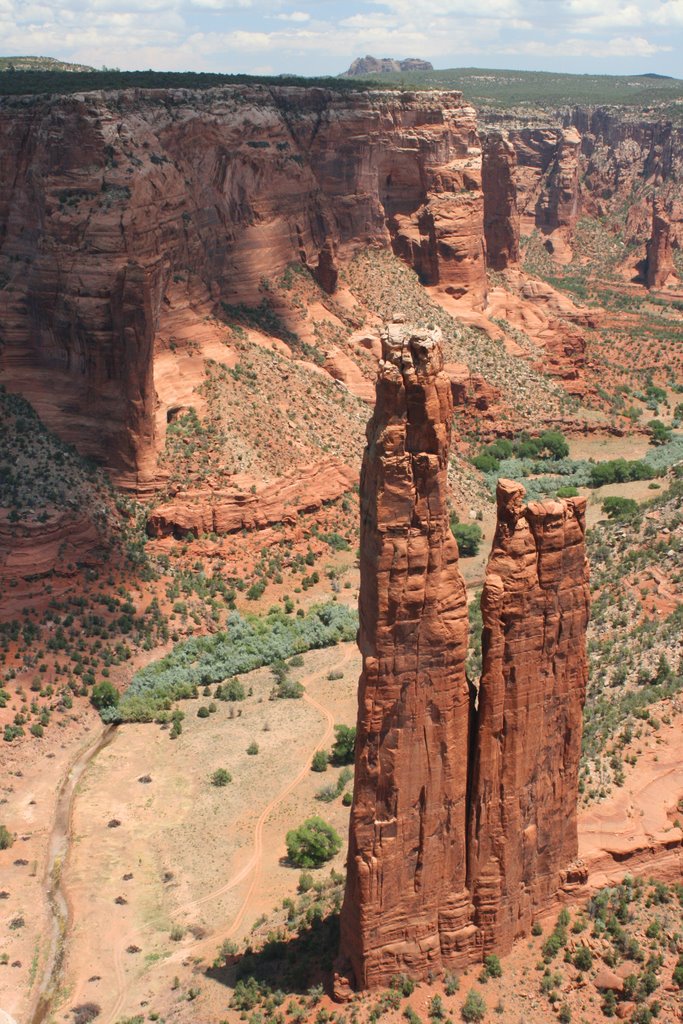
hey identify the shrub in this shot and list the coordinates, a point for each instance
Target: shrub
(659, 432)
(221, 777)
(347, 799)
(568, 491)
(343, 749)
(320, 761)
(436, 1009)
(305, 881)
(619, 508)
(486, 463)
(583, 958)
(288, 689)
(104, 695)
(403, 984)
(474, 1007)
(312, 843)
(565, 1014)
(492, 966)
(468, 536)
(252, 749)
(203, 712)
(86, 1012)
(6, 838)
(451, 983)
(232, 690)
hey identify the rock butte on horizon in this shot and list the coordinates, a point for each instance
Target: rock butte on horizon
(463, 823)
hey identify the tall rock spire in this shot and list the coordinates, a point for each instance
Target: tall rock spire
(527, 742)
(406, 907)
(463, 822)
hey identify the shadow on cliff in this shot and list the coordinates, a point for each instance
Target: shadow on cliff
(293, 964)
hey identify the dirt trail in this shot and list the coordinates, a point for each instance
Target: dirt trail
(250, 867)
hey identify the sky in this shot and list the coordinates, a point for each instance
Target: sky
(323, 37)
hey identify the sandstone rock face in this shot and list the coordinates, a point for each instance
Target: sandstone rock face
(527, 742)
(406, 906)
(128, 217)
(463, 823)
(35, 552)
(501, 217)
(254, 507)
(559, 203)
(660, 263)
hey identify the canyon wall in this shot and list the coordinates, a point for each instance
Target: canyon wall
(406, 906)
(660, 263)
(501, 217)
(527, 743)
(590, 160)
(127, 218)
(463, 821)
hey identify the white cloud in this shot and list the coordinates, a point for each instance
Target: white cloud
(306, 36)
(619, 46)
(297, 16)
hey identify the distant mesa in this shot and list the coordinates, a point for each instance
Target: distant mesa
(40, 64)
(368, 65)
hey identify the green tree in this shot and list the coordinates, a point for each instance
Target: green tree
(6, 838)
(619, 508)
(343, 749)
(659, 432)
(312, 843)
(104, 695)
(468, 536)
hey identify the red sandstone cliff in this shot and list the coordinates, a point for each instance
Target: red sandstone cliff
(254, 507)
(406, 906)
(125, 218)
(463, 823)
(660, 263)
(527, 741)
(501, 217)
(558, 205)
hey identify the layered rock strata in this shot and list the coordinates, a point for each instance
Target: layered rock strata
(527, 742)
(129, 216)
(559, 203)
(660, 261)
(463, 822)
(406, 906)
(253, 507)
(501, 217)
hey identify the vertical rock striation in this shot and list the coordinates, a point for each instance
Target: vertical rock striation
(406, 906)
(501, 217)
(128, 219)
(527, 743)
(660, 261)
(560, 201)
(463, 824)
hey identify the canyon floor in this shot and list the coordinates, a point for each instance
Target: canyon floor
(190, 865)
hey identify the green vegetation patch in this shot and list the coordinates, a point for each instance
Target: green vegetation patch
(248, 642)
